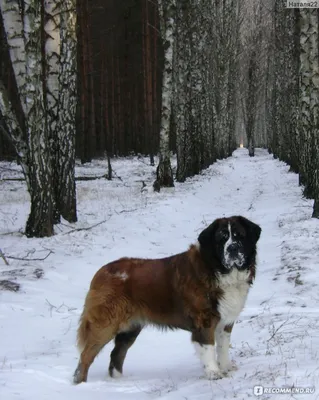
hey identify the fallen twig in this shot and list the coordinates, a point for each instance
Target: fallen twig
(30, 259)
(51, 307)
(127, 211)
(116, 176)
(59, 308)
(13, 179)
(90, 178)
(77, 178)
(3, 257)
(11, 233)
(86, 228)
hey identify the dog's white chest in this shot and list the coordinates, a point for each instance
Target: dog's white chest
(235, 287)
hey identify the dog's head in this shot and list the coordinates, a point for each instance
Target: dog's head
(232, 241)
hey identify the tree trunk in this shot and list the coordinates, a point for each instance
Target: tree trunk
(50, 57)
(251, 146)
(253, 80)
(315, 212)
(309, 92)
(313, 90)
(13, 132)
(164, 169)
(66, 133)
(40, 221)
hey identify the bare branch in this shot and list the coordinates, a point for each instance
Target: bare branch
(3, 257)
(31, 259)
(87, 228)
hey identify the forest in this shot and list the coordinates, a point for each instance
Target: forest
(173, 146)
(195, 79)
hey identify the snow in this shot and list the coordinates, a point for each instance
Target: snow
(275, 342)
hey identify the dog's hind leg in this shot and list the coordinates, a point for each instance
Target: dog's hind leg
(123, 341)
(94, 344)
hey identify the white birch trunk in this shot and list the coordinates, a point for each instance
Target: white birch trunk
(13, 23)
(167, 11)
(52, 58)
(40, 221)
(310, 99)
(52, 10)
(305, 100)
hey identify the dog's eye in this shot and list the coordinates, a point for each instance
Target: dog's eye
(225, 235)
(237, 235)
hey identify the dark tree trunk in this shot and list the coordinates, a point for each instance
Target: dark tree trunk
(315, 212)
(67, 195)
(251, 146)
(66, 199)
(40, 220)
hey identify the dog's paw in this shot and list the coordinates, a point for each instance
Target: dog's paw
(227, 366)
(78, 376)
(116, 374)
(214, 373)
(113, 372)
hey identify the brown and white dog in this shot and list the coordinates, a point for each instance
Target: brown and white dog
(202, 290)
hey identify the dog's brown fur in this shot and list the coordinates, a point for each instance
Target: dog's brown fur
(180, 291)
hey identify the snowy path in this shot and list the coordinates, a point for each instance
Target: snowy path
(276, 341)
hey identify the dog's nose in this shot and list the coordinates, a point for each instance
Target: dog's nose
(232, 249)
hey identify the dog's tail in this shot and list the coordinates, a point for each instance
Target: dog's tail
(83, 331)
(91, 312)
(85, 324)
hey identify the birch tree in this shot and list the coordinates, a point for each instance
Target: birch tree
(224, 64)
(66, 193)
(251, 74)
(167, 11)
(32, 31)
(206, 46)
(309, 103)
(293, 94)
(51, 70)
(285, 90)
(25, 19)
(185, 90)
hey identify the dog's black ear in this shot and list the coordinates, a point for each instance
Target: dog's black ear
(206, 238)
(253, 229)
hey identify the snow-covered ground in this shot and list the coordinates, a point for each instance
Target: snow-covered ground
(276, 341)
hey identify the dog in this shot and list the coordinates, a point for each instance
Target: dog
(202, 290)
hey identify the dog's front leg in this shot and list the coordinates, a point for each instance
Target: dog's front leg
(204, 342)
(223, 342)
